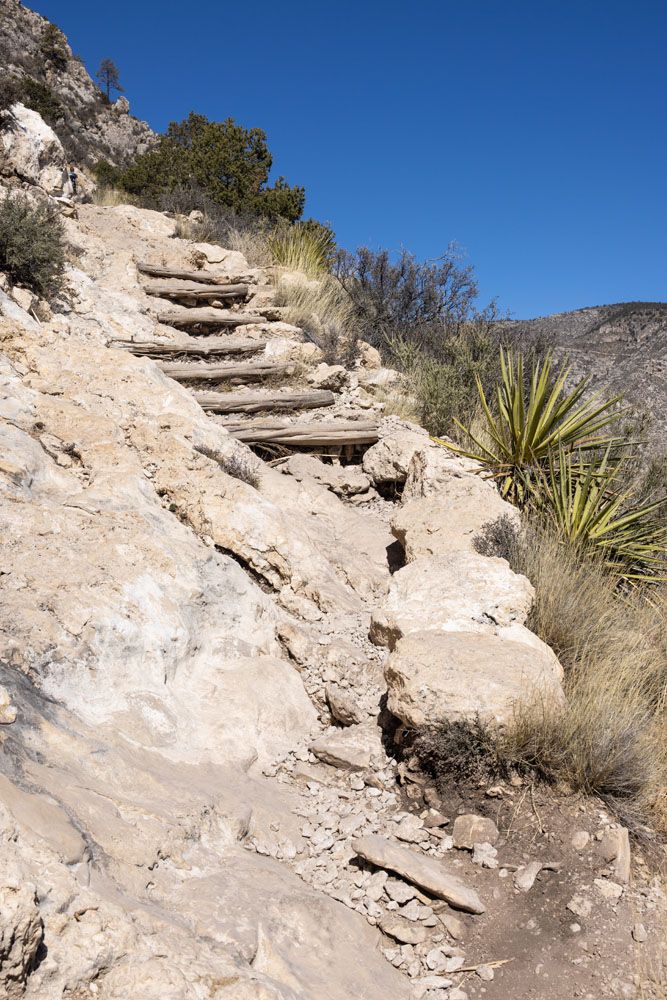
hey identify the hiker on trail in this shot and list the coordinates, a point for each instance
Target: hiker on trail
(73, 177)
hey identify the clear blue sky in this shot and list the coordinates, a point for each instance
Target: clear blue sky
(532, 132)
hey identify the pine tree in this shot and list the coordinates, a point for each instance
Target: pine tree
(109, 78)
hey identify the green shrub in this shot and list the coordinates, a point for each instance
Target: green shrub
(10, 93)
(31, 245)
(53, 47)
(527, 417)
(229, 163)
(41, 99)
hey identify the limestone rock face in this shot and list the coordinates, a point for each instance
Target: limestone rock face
(433, 676)
(388, 460)
(32, 149)
(460, 591)
(21, 933)
(344, 480)
(445, 506)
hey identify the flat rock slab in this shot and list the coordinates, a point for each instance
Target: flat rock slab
(353, 749)
(403, 930)
(423, 872)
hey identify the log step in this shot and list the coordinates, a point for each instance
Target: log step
(253, 372)
(193, 290)
(311, 434)
(206, 316)
(204, 347)
(229, 402)
(202, 277)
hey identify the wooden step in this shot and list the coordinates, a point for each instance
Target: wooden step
(229, 402)
(196, 347)
(206, 316)
(253, 372)
(205, 277)
(310, 434)
(193, 291)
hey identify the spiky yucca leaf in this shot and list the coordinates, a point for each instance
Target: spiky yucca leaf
(590, 510)
(526, 422)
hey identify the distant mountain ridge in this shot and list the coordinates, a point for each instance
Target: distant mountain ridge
(622, 346)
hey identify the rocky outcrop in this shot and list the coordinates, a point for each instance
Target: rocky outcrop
(195, 778)
(88, 126)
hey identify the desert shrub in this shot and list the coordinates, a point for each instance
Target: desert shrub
(459, 750)
(402, 297)
(609, 736)
(229, 163)
(32, 249)
(109, 197)
(41, 99)
(10, 93)
(53, 47)
(442, 380)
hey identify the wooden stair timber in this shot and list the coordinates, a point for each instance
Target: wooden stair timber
(309, 434)
(206, 347)
(206, 316)
(202, 277)
(192, 290)
(203, 372)
(228, 402)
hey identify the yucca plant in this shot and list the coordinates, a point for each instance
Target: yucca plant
(529, 419)
(592, 511)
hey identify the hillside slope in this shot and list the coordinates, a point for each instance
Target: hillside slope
(63, 92)
(622, 346)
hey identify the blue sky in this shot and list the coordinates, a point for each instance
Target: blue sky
(531, 132)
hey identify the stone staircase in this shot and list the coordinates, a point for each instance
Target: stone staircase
(206, 354)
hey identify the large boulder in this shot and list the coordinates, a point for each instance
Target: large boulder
(388, 460)
(437, 676)
(32, 149)
(458, 591)
(445, 505)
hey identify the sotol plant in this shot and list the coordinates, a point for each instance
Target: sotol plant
(529, 419)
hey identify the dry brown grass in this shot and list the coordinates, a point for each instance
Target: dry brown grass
(610, 738)
(320, 307)
(109, 197)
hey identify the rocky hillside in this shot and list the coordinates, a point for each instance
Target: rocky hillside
(623, 346)
(36, 56)
(230, 585)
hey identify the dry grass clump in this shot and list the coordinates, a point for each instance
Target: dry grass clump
(110, 197)
(322, 309)
(610, 738)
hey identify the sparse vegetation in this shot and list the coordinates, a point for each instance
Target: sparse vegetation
(238, 464)
(53, 47)
(308, 247)
(31, 244)
(609, 737)
(323, 310)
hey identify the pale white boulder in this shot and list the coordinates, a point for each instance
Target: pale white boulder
(33, 150)
(436, 676)
(388, 460)
(457, 591)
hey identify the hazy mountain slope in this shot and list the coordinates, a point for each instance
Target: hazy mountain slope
(623, 346)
